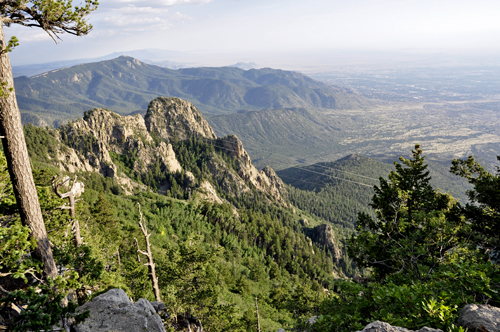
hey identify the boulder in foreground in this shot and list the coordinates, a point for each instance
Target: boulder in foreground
(113, 311)
(480, 318)
(379, 326)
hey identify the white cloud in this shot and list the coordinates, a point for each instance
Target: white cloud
(140, 15)
(154, 3)
(132, 18)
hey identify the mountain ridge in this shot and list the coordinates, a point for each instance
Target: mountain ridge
(126, 85)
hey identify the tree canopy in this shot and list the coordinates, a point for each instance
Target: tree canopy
(483, 210)
(55, 17)
(410, 234)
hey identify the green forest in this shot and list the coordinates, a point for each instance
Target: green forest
(213, 261)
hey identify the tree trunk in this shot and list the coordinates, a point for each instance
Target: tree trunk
(257, 313)
(149, 255)
(19, 165)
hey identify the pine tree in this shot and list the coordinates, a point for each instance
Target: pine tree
(410, 234)
(483, 211)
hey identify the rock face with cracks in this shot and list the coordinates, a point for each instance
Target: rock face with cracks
(113, 311)
(379, 326)
(324, 235)
(169, 117)
(130, 149)
(480, 318)
(102, 134)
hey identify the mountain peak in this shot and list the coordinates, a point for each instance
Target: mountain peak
(169, 117)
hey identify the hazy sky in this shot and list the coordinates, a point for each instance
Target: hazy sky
(217, 32)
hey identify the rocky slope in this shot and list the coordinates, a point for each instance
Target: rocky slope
(169, 117)
(102, 135)
(325, 236)
(127, 148)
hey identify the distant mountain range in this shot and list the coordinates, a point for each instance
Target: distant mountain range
(127, 85)
(158, 57)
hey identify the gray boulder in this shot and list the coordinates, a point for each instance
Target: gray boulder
(480, 318)
(113, 311)
(379, 326)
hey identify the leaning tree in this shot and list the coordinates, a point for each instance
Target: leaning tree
(55, 17)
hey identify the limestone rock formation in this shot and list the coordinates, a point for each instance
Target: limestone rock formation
(169, 117)
(93, 139)
(113, 311)
(480, 318)
(379, 326)
(208, 193)
(274, 182)
(127, 147)
(265, 180)
(324, 235)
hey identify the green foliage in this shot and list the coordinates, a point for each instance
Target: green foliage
(411, 304)
(54, 17)
(238, 258)
(84, 267)
(411, 234)
(424, 266)
(189, 281)
(13, 43)
(3, 92)
(16, 245)
(483, 211)
(41, 303)
(193, 154)
(96, 183)
(42, 144)
(43, 309)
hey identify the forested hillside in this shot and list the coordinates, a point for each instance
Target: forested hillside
(222, 233)
(337, 191)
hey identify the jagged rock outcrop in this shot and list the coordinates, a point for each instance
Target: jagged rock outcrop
(324, 235)
(480, 318)
(379, 326)
(69, 161)
(265, 180)
(208, 193)
(113, 311)
(121, 147)
(169, 117)
(102, 132)
(229, 181)
(274, 182)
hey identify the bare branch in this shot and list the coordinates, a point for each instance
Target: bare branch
(149, 255)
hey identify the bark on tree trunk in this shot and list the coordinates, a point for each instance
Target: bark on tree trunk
(257, 312)
(119, 258)
(18, 161)
(149, 255)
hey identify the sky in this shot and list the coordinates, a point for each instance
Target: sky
(274, 32)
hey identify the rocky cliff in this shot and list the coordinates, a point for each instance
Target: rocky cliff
(266, 180)
(130, 148)
(169, 117)
(98, 140)
(325, 236)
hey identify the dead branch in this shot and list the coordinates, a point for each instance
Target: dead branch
(149, 255)
(75, 190)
